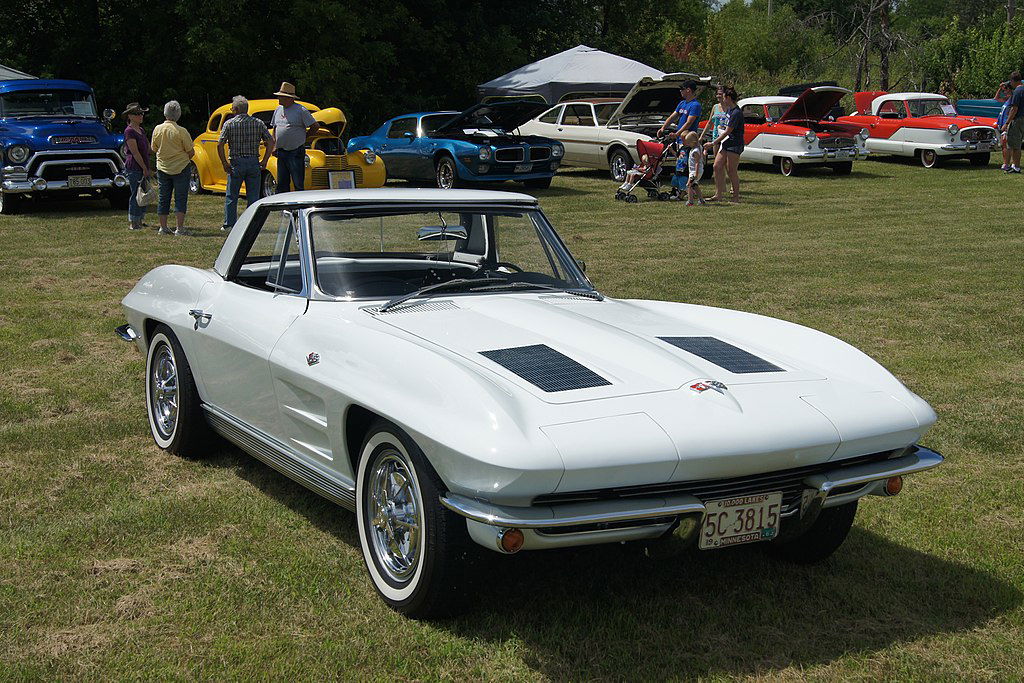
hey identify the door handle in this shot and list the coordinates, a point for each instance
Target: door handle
(198, 314)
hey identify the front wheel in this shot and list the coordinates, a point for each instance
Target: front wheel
(538, 183)
(195, 184)
(929, 159)
(618, 164)
(445, 173)
(979, 159)
(414, 549)
(172, 402)
(820, 540)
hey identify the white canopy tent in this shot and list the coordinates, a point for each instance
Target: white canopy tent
(9, 74)
(578, 72)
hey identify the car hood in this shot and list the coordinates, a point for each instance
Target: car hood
(814, 104)
(652, 96)
(38, 132)
(506, 116)
(332, 119)
(621, 344)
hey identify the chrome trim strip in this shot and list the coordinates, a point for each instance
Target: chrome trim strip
(821, 485)
(277, 455)
(26, 185)
(571, 514)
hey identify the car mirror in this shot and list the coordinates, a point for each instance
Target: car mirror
(109, 114)
(434, 233)
(408, 135)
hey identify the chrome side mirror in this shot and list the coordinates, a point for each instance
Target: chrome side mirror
(434, 233)
(109, 114)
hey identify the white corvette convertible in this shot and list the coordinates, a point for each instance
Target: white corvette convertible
(439, 363)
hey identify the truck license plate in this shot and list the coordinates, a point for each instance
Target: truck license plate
(79, 181)
(744, 519)
(523, 168)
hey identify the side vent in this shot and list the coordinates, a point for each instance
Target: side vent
(425, 306)
(545, 368)
(722, 354)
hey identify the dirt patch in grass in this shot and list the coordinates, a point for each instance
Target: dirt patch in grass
(82, 638)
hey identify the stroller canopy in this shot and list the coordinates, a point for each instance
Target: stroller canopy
(578, 72)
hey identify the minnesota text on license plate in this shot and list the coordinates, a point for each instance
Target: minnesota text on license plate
(743, 519)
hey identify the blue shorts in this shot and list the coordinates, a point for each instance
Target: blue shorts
(679, 180)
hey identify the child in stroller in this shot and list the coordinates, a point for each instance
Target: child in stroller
(652, 154)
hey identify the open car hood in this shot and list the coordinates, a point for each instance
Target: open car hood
(332, 119)
(814, 104)
(504, 116)
(652, 96)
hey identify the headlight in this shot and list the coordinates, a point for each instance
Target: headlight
(810, 136)
(485, 153)
(307, 161)
(17, 153)
(557, 151)
(369, 156)
(953, 129)
(864, 133)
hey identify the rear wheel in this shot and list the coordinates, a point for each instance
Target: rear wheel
(195, 184)
(929, 159)
(618, 164)
(786, 166)
(414, 548)
(820, 540)
(9, 203)
(979, 159)
(445, 174)
(172, 402)
(843, 168)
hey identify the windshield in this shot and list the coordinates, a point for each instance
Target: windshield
(936, 107)
(388, 253)
(47, 103)
(605, 111)
(775, 111)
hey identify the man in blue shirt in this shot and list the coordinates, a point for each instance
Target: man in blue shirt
(1013, 128)
(688, 113)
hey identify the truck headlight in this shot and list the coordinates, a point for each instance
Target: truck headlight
(864, 133)
(17, 153)
(369, 156)
(810, 136)
(485, 153)
(953, 129)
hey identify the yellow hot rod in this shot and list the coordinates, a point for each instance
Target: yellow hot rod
(327, 163)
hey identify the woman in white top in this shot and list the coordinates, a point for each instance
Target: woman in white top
(716, 121)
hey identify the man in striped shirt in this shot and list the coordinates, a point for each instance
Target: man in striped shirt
(243, 134)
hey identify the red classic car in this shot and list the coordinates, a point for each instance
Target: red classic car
(922, 125)
(791, 132)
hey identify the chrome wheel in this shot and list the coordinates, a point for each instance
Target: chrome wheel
(929, 158)
(445, 174)
(394, 516)
(163, 391)
(619, 166)
(269, 185)
(194, 185)
(786, 166)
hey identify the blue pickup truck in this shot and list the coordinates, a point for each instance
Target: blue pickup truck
(53, 142)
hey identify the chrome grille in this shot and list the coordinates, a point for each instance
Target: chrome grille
(836, 143)
(61, 171)
(509, 154)
(540, 153)
(789, 482)
(978, 134)
(321, 175)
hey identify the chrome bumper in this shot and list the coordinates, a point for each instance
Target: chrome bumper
(969, 147)
(43, 185)
(822, 491)
(830, 155)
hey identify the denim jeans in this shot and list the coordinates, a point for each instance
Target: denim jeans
(244, 170)
(135, 212)
(177, 182)
(291, 169)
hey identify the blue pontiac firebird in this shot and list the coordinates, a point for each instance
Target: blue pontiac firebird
(477, 145)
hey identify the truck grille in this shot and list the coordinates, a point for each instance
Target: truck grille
(321, 175)
(509, 154)
(836, 143)
(540, 153)
(790, 482)
(61, 171)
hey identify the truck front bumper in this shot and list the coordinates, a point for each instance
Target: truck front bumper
(27, 185)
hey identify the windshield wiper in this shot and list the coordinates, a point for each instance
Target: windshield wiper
(586, 293)
(450, 284)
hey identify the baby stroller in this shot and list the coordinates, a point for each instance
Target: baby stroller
(646, 174)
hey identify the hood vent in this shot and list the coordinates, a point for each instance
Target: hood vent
(545, 368)
(414, 307)
(722, 354)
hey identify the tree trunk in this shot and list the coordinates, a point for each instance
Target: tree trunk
(885, 45)
(1011, 10)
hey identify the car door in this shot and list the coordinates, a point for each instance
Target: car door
(396, 148)
(239, 320)
(545, 125)
(578, 133)
(754, 133)
(887, 129)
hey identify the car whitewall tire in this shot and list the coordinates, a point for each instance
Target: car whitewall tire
(173, 405)
(414, 549)
(929, 158)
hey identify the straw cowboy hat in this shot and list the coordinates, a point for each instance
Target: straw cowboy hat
(287, 90)
(134, 108)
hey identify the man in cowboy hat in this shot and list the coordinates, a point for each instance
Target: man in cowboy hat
(292, 123)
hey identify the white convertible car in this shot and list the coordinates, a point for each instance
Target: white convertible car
(438, 362)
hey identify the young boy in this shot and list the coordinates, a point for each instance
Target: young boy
(679, 176)
(695, 166)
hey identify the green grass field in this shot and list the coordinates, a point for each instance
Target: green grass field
(120, 561)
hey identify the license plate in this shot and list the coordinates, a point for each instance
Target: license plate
(844, 153)
(79, 181)
(984, 146)
(744, 519)
(523, 168)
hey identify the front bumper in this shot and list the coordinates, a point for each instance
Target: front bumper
(967, 147)
(830, 156)
(42, 185)
(631, 518)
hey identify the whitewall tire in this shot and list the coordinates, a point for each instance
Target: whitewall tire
(173, 405)
(414, 549)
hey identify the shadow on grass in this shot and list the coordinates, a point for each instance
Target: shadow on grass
(956, 163)
(615, 610)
